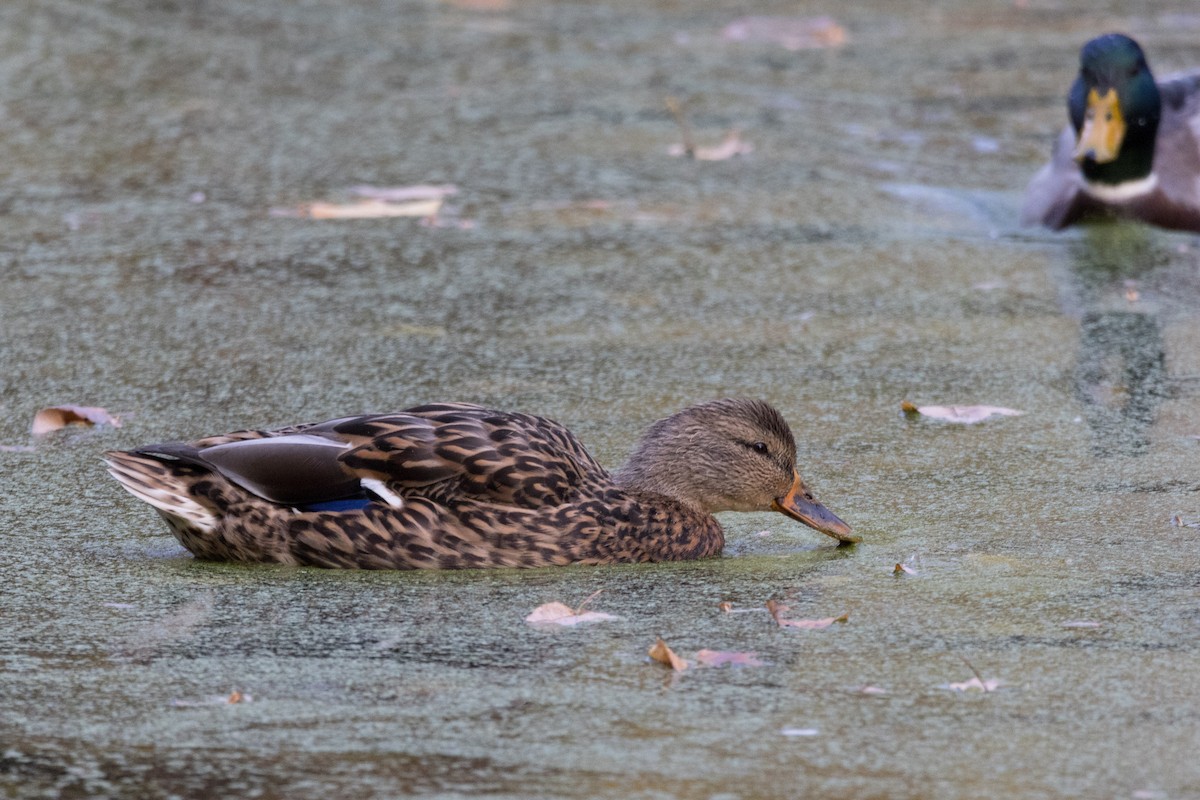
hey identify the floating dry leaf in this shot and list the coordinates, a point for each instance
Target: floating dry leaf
(903, 569)
(371, 209)
(777, 610)
(794, 33)
(965, 415)
(402, 194)
(732, 145)
(563, 614)
(54, 418)
(230, 699)
(665, 655)
(725, 606)
(799, 732)
(870, 690)
(719, 658)
(975, 684)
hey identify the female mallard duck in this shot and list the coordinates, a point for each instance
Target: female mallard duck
(453, 485)
(1132, 148)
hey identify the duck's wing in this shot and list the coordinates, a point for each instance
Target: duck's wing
(456, 451)
(447, 452)
(1177, 148)
(1054, 196)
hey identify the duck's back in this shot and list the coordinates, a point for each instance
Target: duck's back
(447, 451)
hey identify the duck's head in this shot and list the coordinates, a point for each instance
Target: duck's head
(1115, 108)
(728, 455)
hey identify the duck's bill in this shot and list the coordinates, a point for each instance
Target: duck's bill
(1103, 128)
(799, 505)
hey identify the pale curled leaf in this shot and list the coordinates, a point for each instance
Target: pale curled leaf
(372, 209)
(799, 732)
(720, 658)
(665, 655)
(813, 624)
(777, 610)
(903, 569)
(962, 415)
(563, 614)
(400, 194)
(975, 684)
(732, 145)
(53, 418)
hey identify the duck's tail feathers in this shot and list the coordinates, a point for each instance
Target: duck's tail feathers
(161, 476)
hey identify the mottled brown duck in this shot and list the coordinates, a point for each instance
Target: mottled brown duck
(458, 486)
(1132, 148)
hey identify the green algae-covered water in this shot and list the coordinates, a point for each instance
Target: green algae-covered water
(864, 254)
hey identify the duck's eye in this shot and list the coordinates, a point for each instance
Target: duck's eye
(759, 447)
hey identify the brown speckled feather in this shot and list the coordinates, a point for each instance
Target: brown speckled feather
(444, 486)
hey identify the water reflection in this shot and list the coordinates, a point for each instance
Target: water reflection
(1120, 376)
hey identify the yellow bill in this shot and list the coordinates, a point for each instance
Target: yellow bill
(1103, 128)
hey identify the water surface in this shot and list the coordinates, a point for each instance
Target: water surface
(864, 254)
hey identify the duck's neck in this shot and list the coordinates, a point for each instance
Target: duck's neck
(1134, 162)
(636, 477)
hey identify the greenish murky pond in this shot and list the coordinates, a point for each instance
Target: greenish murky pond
(864, 254)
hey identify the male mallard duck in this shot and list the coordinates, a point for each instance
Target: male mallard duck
(453, 485)
(1132, 148)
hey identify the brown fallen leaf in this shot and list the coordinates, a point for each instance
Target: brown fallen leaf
(665, 655)
(719, 658)
(725, 606)
(903, 569)
(793, 33)
(54, 418)
(964, 415)
(777, 610)
(563, 614)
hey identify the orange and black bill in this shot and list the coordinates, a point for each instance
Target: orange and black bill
(800, 505)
